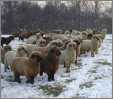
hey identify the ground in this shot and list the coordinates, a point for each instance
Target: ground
(91, 77)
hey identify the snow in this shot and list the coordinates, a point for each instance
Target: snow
(90, 78)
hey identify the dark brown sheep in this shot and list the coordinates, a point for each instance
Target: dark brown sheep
(50, 63)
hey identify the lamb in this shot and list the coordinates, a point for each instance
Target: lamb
(68, 55)
(10, 56)
(89, 45)
(50, 63)
(26, 66)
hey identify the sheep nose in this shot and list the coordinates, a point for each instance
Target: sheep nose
(70, 45)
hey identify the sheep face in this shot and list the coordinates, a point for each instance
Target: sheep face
(43, 43)
(7, 48)
(77, 42)
(89, 36)
(72, 45)
(55, 51)
(22, 51)
(36, 56)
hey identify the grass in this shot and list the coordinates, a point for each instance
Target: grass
(93, 70)
(97, 78)
(105, 62)
(86, 85)
(69, 80)
(54, 90)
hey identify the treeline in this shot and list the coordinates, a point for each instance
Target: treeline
(26, 16)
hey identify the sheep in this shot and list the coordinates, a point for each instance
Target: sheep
(100, 36)
(50, 63)
(89, 45)
(68, 55)
(27, 66)
(10, 56)
(41, 42)
(6, 40)
(4, 50)
(89, 36)
(56, 42)
(47, 37)
(32, 39)
(31, 47)
(59, 36)
(84, 35)
(23, 35)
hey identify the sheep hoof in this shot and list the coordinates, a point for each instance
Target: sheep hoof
(92, 55)
(30, 81)
(75, 61)
(17, 80)
(67, 71)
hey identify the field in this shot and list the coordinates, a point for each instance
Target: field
(91, 77)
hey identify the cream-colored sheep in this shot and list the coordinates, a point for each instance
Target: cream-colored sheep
(90, 45)
(32, 39)
(10, 56)
(4, 50)
(84, 35)
(68, 55)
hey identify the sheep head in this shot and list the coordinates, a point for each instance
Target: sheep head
(72, 45)
(54, 51)
(36, 56)
(22, 51)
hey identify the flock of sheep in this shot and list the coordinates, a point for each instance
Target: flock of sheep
(43, 52)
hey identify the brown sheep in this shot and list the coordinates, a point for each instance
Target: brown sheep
(27, 66)
(50, 63)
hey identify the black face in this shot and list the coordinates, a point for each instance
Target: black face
(55, 50)
(77, 42)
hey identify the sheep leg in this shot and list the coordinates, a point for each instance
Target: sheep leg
(49, 76)
(52, 76)
(17, 77)
(68, 69)
(41, 73)
(92, 54)
(64, 64)
(30, 80)
(96, 51)
(6, 67)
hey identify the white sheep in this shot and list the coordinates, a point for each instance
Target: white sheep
(10, 56)
(32, 39)
(68, 55)
(89, 45)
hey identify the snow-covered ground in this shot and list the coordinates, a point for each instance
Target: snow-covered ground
(91, 77)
